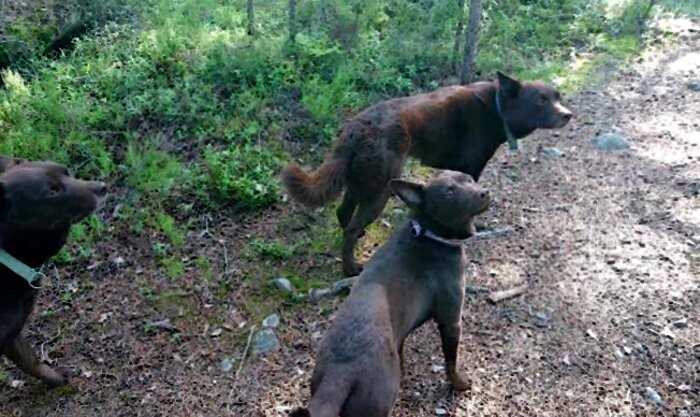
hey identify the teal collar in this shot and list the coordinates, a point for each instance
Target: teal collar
(512, 141)
(18, 267)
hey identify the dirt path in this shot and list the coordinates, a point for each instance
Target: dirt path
(609, 243)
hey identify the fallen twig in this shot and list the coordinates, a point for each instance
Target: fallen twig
(316, 294)
(497, 296)
(245, 351)
(491, 234)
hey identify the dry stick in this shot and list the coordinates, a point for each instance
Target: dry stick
(245, 351)
(497, 296)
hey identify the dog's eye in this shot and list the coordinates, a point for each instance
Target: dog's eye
(542, 99)
(450, 192)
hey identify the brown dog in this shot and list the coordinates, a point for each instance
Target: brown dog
(457, 128)
(416, 276)
(39, 201)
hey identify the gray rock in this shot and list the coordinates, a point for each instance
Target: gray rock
(680, 324)
(694, 86)
(542, 319)
(552, 152)
(226, 365)
(271, 321)
(610, 142)
(265, 341)
(283, 284)
(653, 396)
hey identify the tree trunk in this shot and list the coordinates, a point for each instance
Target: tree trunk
(251, 18)
(471, 41)
(458, 37)
(292, 20)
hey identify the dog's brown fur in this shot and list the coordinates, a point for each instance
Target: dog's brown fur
(410, 280)
(39, 201)
(455, 128)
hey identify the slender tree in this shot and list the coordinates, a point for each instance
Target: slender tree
(458, 37)
(292, 20)
(251, 18)
(471, 41)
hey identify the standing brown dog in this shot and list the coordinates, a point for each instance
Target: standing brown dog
(39, 201)
(457, 128)
(416, 276)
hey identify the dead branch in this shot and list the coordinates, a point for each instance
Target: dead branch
(497, 296)
(316, 294)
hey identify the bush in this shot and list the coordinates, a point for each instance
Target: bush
(245, 174)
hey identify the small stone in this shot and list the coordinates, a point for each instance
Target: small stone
(271, 321)
(566, 361)
(618, 354)
(680, 324)
(684, 388)
(437, 369)
(217, 332)
(266, 341)
(118, 261)
(283, 284)
(552, 152)
(610, 142)
(226, 365)
(653, 396)
(17, 383)
(694, 86)
(627, 350)
(542, 319)
(592, 334)
(440, 411)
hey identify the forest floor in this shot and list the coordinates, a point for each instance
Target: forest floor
(607, 242)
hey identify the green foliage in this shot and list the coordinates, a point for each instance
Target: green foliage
(171, 99)
(271, 249)
(245, 174)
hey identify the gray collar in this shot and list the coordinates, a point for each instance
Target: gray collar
(419, 231)
(512, 141)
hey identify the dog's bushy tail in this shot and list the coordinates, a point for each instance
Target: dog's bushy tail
(319, 187)
(300, 412)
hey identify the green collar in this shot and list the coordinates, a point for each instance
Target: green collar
(512, 141)
(18, 267)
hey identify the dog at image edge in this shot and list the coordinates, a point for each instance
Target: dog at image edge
(39, 201)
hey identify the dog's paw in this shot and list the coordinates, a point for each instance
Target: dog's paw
(54, 378)
(460, 383)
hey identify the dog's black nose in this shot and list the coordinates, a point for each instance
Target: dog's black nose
(567, 116)
(100, 189)
(484, 194)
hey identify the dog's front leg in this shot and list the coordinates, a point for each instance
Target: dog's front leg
(451, 334)
(19, 352)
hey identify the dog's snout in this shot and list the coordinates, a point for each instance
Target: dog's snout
(99, 188)
(567, 116)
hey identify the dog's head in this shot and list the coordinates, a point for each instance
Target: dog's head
(527, 106)
(446, 204)
(44, 195)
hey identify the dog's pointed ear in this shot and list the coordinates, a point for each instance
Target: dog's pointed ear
(510, 87)
(410, 193)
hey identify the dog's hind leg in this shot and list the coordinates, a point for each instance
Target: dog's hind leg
(346, 210)
(19, 352)
(366, 213)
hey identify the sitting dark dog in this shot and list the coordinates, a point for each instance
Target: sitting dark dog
(417, 275)
(39, 201)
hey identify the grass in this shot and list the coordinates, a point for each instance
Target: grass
(174, 102)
